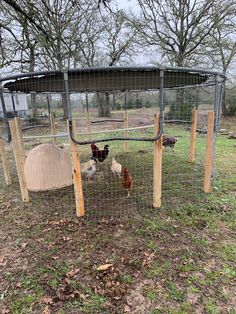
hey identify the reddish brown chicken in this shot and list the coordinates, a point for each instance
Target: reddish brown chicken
(101, 155)
(127, 180)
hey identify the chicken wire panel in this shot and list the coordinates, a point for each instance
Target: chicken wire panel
(182, 181)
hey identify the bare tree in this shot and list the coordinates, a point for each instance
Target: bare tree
(221, 49)
(23, 43)
(119, 44)
(179, 27)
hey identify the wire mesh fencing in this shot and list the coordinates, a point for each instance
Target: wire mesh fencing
(108, 105)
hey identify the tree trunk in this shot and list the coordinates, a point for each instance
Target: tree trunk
(103, 103)
(34, 105)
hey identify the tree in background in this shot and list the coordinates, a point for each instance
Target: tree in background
(221, 51)
(178, 29)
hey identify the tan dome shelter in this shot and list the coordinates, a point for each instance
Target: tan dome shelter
(47, 167)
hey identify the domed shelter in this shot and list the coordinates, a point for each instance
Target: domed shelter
(47, 167)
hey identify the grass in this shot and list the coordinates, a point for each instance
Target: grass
(178, 259)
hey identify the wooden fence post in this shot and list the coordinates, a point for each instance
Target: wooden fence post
(77, 179)
(20, 138)
(5, 163)
(19, 161)
(53, 126)
(209, 152)
(126, 125)
(193, 135)
(157, 165)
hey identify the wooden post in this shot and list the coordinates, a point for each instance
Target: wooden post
(157, 165)
(20, 138)
(19, 161)
(209, 152)
(193, 135)
(5, 163)
(53, 126)
(126, 125)
(77, 179)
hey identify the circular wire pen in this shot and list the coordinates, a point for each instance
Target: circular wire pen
(158, 157)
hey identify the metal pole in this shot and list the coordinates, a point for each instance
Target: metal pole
(215, 100)
(5, 115)
(13, 104)
(66, 85)
(217, 106)
(161, 100)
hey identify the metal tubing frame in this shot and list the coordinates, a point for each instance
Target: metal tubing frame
(95, 69)
(176, 69)
(13, 104)
(109, 139)
(218, 95)
(5, 115)
(107, 120)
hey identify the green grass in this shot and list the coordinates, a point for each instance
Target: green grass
(185, 249)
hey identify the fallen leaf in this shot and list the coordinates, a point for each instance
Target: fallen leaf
(46, 310)
(47, 300)
(40, 240)
(68, 281)
(2, 258)
(55, 257)
(104, 267)
(66, 238)
(5, 310)
(3, 261)
(72, 272)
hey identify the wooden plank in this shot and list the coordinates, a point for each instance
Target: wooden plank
(20, 139)
(209, 153)
(5, 163)
(157, 165)
(53, 126)
(77, 179)
(18, 161)
(193, 135)
(126, 125)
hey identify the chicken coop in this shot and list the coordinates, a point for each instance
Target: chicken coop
(120, 139)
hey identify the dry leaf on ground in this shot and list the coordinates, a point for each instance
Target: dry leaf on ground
(104, 267)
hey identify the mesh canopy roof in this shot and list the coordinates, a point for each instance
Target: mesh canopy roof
(105, 79)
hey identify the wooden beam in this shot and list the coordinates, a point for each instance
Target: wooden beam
(5, 163)
(53, 126)
(193, 135)
(77, 179)
(20, 139)
(126, 126)
(157, 165)
(209, 153)
(19, 161)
